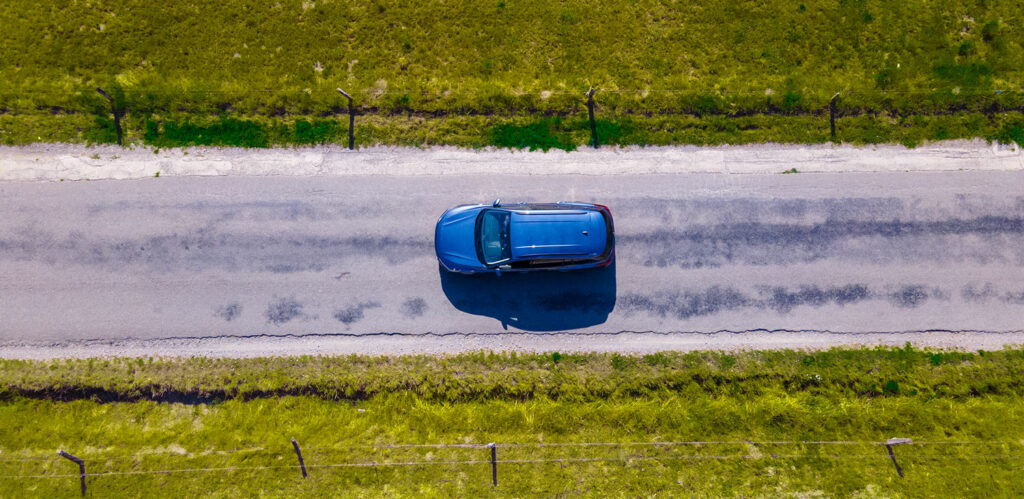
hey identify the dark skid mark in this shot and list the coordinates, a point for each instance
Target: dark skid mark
(982, 294)
(909, 296)
(354, 313)
(229, 312)
(686, 304)
(289, 268)
(716, 299)
(973, 294)
(283, 310)
(414, 307)
(1014, 297)
(717, 210)
(783, 300)
(252, 211)
(777, 243)
(206, 249)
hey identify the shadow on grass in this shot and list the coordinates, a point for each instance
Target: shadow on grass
(557, 133)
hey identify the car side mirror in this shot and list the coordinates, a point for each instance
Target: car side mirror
(496, 203)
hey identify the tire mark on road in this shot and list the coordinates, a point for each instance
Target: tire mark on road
(206, 249)
(996, 239)
(263, 211)
(714, 210)
(229, 312)
(354, 313)
(414, 307)
(688, 304)
(283, 310)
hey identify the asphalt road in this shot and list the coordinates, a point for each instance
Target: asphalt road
(187, 258)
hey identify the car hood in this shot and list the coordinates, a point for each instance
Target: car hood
(454, 238)
(576, 234)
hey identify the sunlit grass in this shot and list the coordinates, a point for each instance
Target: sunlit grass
(905, 372)
(349, 409)
(261, 68)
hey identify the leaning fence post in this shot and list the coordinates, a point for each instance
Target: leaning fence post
(116, 111)
(590, 113)
(888, 446)
(494, 463)
(832, 116)
(81, 466)
(298, 452)
(351, 120)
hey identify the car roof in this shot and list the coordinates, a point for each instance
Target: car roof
(557, 233)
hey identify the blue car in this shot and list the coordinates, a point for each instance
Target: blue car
(521, 237)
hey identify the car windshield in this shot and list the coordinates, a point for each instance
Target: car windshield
(492, 236)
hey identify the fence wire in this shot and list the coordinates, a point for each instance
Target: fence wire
(211, 452)
(883, 457)
(662, 443)
(628, 458)
(517, 93)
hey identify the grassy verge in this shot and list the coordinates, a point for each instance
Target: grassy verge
(903, 372)
(241, 413)
(656, 66)
(525, 132)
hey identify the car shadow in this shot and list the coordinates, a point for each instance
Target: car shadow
(537, 301)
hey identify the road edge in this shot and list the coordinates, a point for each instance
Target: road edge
(60, 162)
(627, 342)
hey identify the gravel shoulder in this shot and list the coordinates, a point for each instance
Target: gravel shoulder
(520, 341)
(56, 162)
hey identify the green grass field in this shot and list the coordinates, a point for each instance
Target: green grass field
(231, 413)
(512, 73)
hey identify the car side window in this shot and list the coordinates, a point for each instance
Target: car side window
(545, 206)
(551, 262)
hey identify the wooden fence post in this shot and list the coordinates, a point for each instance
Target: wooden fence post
(117, 111)
(888, 446)
(494, 463)
(351, 120)
(81, 466)
(590, 113)
(832, 116)
(298, 452)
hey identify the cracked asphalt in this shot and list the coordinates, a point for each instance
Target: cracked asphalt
(333, 264)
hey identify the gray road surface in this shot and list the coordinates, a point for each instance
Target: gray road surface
(265, 265)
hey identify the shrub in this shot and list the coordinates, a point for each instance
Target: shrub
(971, 74)
(540, 134)
(1012, 133)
